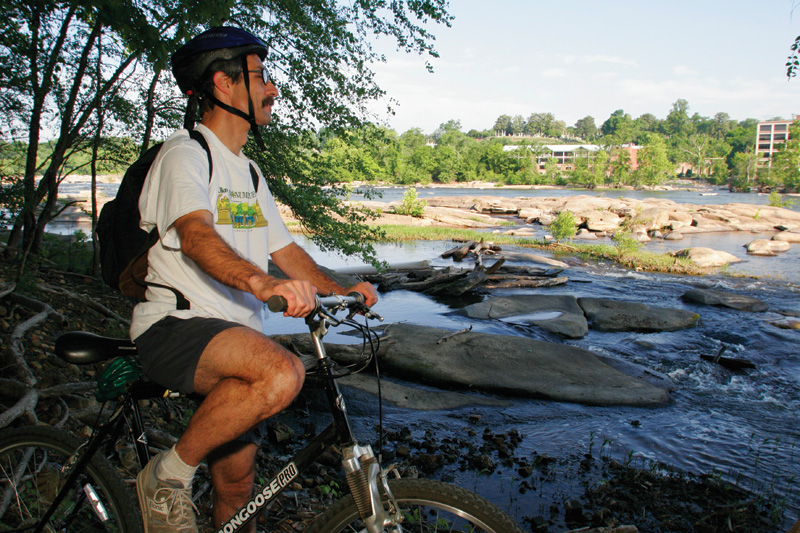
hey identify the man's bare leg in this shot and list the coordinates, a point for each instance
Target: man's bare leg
(232, 468)
(246, 378)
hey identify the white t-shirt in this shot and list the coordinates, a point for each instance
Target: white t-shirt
(248, 221)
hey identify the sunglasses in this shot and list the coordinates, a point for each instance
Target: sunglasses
(264, 74)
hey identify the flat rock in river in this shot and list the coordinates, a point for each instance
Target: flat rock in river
(617, 315)
(724, 299)
(556, 313)
(706, 257)
(512, 365)
(417, 397)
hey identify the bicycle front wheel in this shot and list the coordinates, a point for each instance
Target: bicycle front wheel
(426, 506)
(34, 464)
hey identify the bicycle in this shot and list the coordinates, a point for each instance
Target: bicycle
(50, 481)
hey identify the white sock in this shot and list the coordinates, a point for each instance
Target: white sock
(172, 466)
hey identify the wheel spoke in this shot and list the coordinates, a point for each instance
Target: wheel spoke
(426, 507)
(33, 466)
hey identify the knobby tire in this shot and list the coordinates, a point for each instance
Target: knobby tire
(428, 506)
(31, 473)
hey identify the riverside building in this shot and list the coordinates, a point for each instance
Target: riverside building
(770, 138)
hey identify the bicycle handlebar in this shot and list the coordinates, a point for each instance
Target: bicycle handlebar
(353, 301)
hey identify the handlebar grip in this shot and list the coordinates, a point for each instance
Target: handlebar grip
(358, 296)
(277, 304)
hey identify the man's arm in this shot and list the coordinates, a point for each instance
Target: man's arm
(295, 262)
(201, 243)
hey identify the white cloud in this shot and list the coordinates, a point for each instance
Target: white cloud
(509, 69)
(553, 73)
(569, 59)
(601, 58)
(683, 70)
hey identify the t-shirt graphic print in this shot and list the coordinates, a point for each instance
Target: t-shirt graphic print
(239, 209)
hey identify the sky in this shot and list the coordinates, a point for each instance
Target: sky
(574, 58)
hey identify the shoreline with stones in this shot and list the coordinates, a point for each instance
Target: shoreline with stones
(600, 217)
(615, 494)
(434, 453)
(597, 217)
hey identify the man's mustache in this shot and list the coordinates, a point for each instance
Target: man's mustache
(268, 101)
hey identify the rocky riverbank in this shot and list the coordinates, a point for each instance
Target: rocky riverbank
(616, 493)
(599, 217)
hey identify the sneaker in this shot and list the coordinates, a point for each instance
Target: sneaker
(166, 505)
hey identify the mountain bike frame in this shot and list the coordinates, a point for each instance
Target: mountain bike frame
(364, 475)
(361, 467)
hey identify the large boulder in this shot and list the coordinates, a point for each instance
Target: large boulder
(787, 236)
(524, 257)
(766, 247)
(724, 299)
(617, 315)
(496, 206)
(600, 220)
(786, 323)
(530, 214)
(707, 257)
(513, 365)
(446, 216)
(653, 218)
(586, 235)
(583, 203)
(556, 313)
(752, 225)
(679, 219)
(411, 397)
(702, 224)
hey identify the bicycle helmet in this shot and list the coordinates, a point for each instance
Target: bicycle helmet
(191, 62)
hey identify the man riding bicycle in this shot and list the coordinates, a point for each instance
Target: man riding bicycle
(215, 348)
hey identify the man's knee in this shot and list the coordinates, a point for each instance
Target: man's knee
(284, 380)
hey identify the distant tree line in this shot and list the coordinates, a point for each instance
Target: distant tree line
(717, 149)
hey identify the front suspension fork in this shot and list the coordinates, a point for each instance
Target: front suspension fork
(363, 474)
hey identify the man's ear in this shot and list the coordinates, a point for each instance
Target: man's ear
(222, 82)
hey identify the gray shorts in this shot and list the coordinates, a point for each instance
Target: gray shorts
(170, 350)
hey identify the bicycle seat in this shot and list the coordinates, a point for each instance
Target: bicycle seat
(83, 348)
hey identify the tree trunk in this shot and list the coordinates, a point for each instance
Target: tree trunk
(24, 229)
(151, 112)
(95, 149)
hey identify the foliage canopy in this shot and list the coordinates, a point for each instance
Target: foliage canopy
(79, 71)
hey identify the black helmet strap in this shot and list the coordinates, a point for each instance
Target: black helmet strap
(250, 116)
(251, 112)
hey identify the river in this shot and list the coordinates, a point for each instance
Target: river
(688, 195)
(742, 426)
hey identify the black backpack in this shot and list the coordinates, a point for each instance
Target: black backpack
(123, 244)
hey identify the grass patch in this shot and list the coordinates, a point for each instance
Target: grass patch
(637, 259)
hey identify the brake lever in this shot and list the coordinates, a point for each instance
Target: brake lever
(328, 316)
(367, 312)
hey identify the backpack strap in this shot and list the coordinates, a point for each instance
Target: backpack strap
(197, 136)
(138, 275)
(254, 175)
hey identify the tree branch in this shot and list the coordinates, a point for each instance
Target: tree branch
(25, 405)
(85, 299)
(15, 348)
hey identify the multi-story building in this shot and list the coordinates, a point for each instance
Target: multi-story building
(565, 154)
(770, 137)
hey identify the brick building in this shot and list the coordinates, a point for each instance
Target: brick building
(770, 137)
